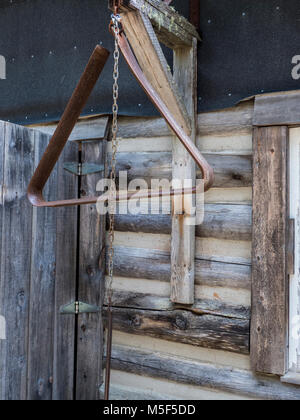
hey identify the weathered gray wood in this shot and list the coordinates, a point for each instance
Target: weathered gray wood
(172, 29)
(155, 265)
(2, 301)
(230, 170)
(235, 120)
(151, 59)
(42, 290)
(144, 301)
(184, 168)
(207, 331)
(15, 260)
(90, 282)
(85, 129)
(199, 374)
(231, 121)
(281, 108)
(127, 393)
(65, 280)
(269, 278)
(290, 248)
(221, 221)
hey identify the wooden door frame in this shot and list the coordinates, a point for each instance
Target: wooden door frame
(272, 247)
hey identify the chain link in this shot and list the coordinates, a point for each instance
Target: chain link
(112, 202)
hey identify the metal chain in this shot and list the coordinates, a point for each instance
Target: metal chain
(115, 109)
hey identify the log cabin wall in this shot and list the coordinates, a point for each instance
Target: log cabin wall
(214, 332)
(162, 351)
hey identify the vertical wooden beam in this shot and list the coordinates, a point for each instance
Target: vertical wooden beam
(91, 281)
(65, 280)
(42, 289)
(183, 167)
(151, 59)
(269, 268)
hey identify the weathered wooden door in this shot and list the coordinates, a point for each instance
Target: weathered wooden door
(48, 258)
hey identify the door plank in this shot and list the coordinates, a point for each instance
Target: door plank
(15, 259)
(42, 290)
(91, 281)
(65, 280)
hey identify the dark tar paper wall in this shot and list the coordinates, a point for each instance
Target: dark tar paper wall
(248, 47)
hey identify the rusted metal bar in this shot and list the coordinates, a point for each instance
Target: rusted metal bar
(71, 115)
(195, 13)
(64, 129)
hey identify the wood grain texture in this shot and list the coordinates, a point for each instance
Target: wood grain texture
(226, 122)
(184, 168)
(91, 128)
(65, 280)
(16, 234)
(279, 109)
(2, 300)
(151, 59)
(172, 29)
(230, 170)
(133, 300)
(129, 386)
(90, 282)
(222, 221)
(155, 265)
(189, 372)
(42, 289)
(209, 331)
(269, 278)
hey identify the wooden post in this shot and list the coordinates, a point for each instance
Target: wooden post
(180, 95)
(183, 168)
(269, 246)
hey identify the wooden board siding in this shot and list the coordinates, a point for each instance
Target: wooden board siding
(16, 224)
(42, 290)
(269, 276)
(38, 275)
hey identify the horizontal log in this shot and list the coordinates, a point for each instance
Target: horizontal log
(127, 393)
(230, 170)
(221, 221)
(281, 108)
(227, 121)
(124, 299)
(189, 372)
(155, 265)
(85, 129)
(224, 122)
(182, 326)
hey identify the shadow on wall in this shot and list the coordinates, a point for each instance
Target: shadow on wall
(2, 67)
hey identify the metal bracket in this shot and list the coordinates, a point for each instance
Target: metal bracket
(83, 168)
(76, 308)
